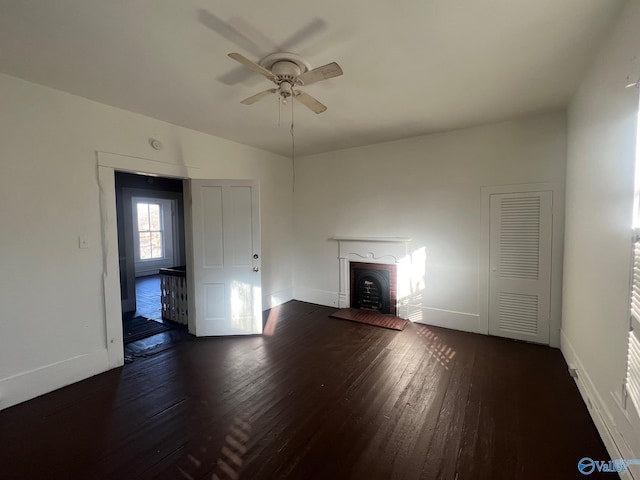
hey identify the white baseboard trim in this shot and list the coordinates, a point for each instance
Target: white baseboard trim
(319, 297)
(466, 322)
(33, 383)
(616, 446)
(271, 300)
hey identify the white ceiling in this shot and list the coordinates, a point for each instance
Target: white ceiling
(411, 67)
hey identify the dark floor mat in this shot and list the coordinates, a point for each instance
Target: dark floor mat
(140, 327)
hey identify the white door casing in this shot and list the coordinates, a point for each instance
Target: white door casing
(520, 265)
(223, 260)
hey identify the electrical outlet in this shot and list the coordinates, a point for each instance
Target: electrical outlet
(83, 242)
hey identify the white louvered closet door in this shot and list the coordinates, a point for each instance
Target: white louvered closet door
(520, 263)
(633, 355)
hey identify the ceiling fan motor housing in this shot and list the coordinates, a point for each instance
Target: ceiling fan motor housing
(288, 60)
(287, 73)
(286, 69)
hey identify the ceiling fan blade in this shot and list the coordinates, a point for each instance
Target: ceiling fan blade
(241, 75)
(253, 66)
(228, 31)
(314, 27)
(254, 98)
(310, 102)
(329, 70)
(267, 45)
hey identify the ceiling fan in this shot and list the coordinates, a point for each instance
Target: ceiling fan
(289, 71)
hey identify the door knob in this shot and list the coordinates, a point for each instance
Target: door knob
(255, 269)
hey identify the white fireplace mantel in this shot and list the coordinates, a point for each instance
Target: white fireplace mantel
(387, 250)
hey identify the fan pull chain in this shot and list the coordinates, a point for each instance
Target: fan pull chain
(293, 149)
(278, 100)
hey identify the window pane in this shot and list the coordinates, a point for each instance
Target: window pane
(154, 216)
(156, 245)
(145, 245)
(143, 217)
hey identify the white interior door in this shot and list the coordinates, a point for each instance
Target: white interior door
(224, 284)
(520, 265)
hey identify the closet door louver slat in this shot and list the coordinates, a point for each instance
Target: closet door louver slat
(633, 357)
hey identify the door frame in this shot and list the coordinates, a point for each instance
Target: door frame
(556, 254)
(107, 164)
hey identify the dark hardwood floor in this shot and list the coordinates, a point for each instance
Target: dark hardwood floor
(148, 303)
(313, 398)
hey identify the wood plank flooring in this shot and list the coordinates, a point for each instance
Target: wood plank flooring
(313, 398)
(148, 302)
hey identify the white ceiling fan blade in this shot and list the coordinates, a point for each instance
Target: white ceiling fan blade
(329, 70)
(314, 27)
(310, 102)
(253, 66)
(231, 33)
(254, 98)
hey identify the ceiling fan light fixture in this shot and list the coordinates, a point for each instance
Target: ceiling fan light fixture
(286, 89)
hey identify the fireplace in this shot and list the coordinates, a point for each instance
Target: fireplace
(373, 287)
(378, 254)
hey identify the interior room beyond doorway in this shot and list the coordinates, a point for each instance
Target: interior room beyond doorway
(150, 219)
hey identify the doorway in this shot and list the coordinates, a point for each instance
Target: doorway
(151, 239)
(221, 294)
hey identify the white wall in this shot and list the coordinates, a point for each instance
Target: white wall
(427, 188)
(599, 205)
(52, 325)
